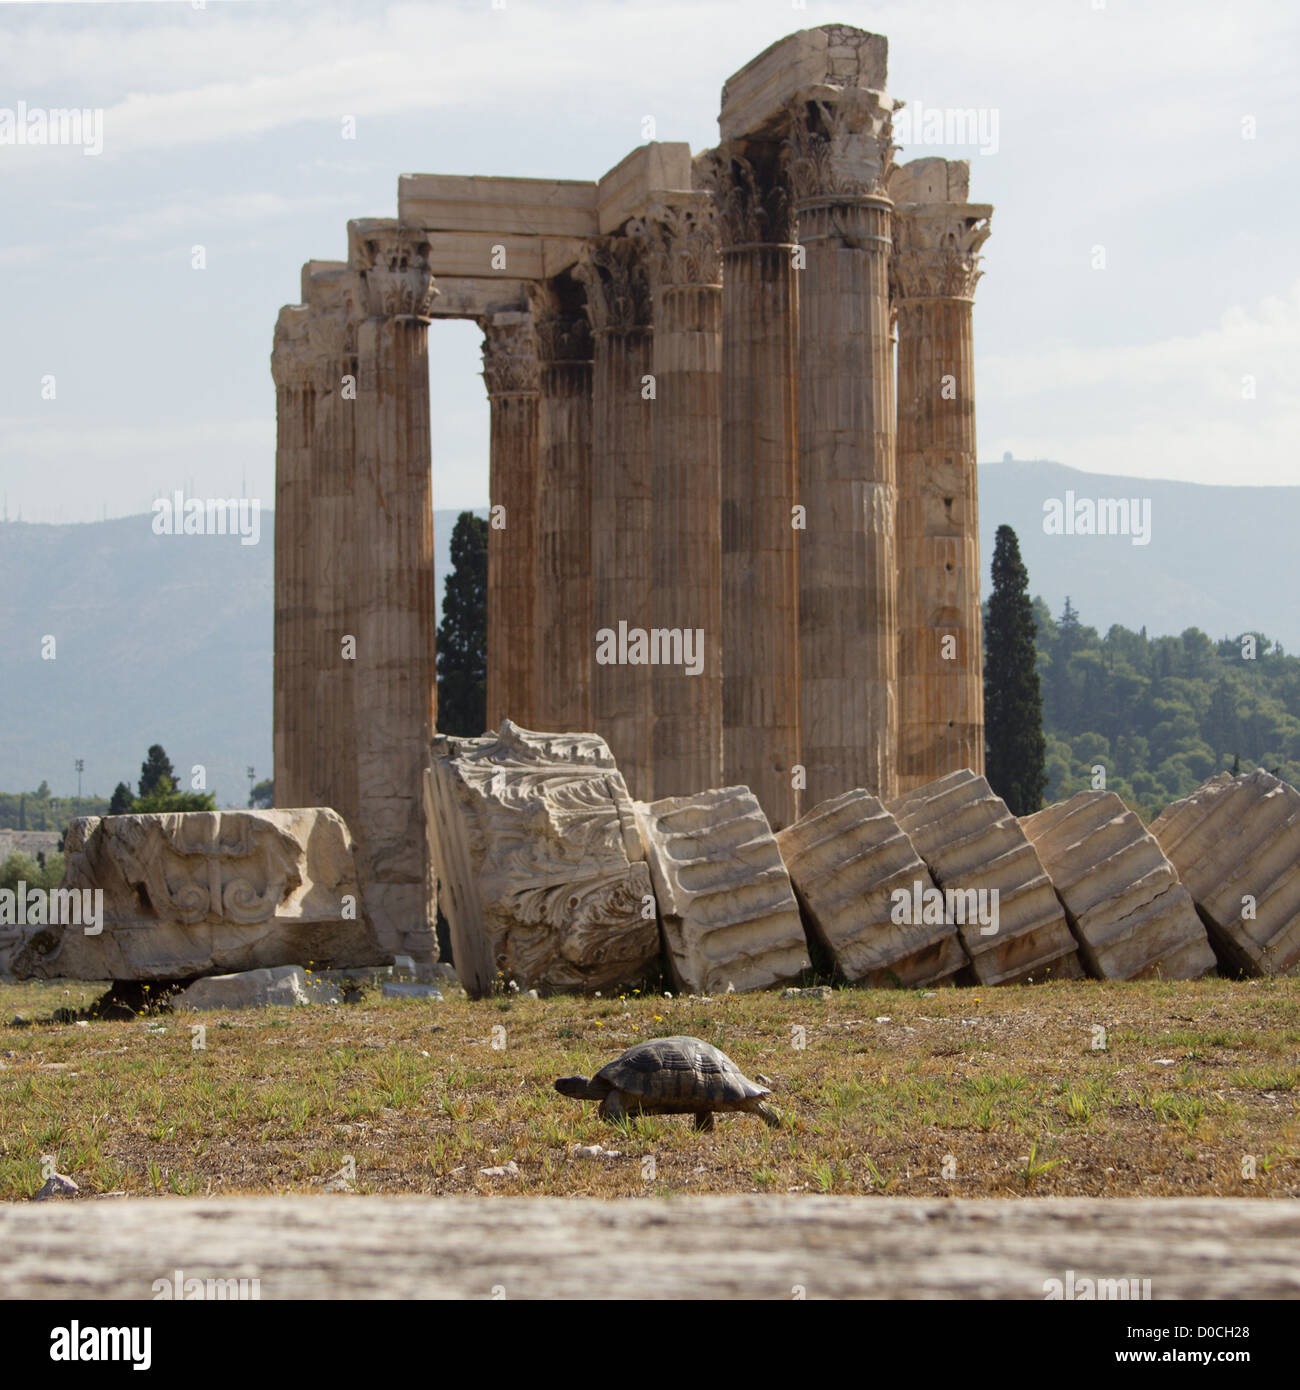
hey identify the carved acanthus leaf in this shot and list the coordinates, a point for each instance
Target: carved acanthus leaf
(393, 261)
(751, 195)
(613, 270)
(681, 242)
(937, 250)
(840, 144)
(510, 366)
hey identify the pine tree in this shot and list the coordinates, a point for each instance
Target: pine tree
(1015, 749)
(120, 805)
(155, 767)
(462, 636)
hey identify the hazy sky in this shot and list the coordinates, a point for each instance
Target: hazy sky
(1119, 125)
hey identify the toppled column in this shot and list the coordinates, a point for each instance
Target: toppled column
(857, 876)
(1132, 917)
(511, 373)
(543, 876)
(1236, 845)
(203, 893)
(295, 612)
(614, 271)
(1014, 928)
(680, 240)
(729, 914)
(937, 237)
(396, 694)
(564, 638)
(839, 157)
(760, 575)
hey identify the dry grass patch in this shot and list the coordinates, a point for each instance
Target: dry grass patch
(957, 1092)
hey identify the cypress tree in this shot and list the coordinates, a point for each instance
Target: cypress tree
(462, 635)
(1015, 749)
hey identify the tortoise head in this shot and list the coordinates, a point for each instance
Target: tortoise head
(579, 1087)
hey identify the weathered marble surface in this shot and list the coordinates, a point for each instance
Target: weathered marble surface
(1131, 914)
(543, 876)
(971, 841)
(729, 914)
(1236, 845)
(208, 893)
(847, 859)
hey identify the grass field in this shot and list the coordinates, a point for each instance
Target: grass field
(972, 1093)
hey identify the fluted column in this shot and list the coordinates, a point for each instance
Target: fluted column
(510, 370)
(334, 299)
(613, 271)
(760, 577)
(565, 636)
(941, 683)
(839, 153)
(395, 691)
(291, 369)
(686, 577)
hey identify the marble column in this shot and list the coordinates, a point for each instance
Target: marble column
(937, 240)
(510, 371)
(565, 635)
(396, 695)
(334, 296)
(295, 614)
(613, 271)
(838, 160)
(760, 577)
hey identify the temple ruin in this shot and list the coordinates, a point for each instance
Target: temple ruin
(733, 485)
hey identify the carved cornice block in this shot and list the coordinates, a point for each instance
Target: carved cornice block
(542, 871)
(207, 892)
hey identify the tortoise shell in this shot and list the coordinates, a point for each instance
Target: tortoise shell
(678, 1069)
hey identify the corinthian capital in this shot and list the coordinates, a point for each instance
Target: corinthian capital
(291, 354)
(750, 192)
(840, 144)
(936, 249)
(510, 354)
(563, 333)
(681, 241)
(613, 270)
(392, 259)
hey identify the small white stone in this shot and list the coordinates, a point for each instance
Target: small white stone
(508, 1170)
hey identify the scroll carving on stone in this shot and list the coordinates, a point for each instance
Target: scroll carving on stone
(840, 145)
(543, 875)
(681, 240)
(936, 250)
(393, 261)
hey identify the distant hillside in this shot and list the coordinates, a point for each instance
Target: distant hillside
(159, 639)
(164, 640)
(1223, 559)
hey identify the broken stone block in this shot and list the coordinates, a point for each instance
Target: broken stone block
(206, 892)
(1131, 915)
(728, 911)
(543, 876)
(1235, 842)
(255, 989)
(848, 858)
(977, 851)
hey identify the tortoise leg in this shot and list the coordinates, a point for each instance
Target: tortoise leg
(612, 1107)
(704, 1120)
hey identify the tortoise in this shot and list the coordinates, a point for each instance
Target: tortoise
(671, 1076)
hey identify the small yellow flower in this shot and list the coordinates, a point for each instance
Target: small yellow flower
(658, 1019)
(599, 1024)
